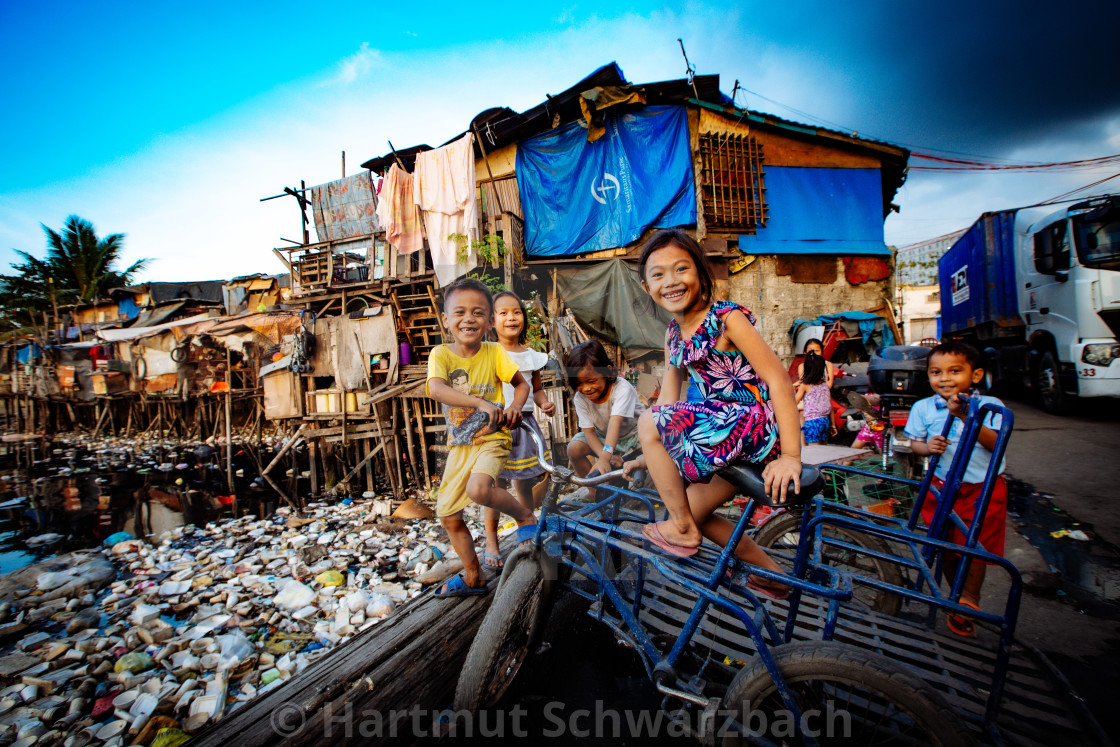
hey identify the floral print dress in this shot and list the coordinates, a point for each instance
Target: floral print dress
(734, 422)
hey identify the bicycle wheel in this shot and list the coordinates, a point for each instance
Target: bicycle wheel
(783, 533)
(846, 695)
(502, 643)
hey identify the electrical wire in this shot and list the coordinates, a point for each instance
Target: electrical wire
(961, 164)
(1066, 196)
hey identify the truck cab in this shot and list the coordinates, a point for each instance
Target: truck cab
(1068, 278)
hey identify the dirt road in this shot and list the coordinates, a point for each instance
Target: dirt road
(1070, 476)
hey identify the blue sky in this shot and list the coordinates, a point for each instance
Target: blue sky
(169, 124)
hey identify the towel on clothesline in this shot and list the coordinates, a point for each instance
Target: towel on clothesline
(397, 211)
(444, 188)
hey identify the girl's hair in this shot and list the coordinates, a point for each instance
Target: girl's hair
(667, 236)
(811, 341)
(589, 354)
(522, 336)
(813, 371)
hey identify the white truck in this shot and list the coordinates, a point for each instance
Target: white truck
(1038, 291)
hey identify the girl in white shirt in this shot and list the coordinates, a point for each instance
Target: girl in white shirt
(607, 408)
(523, 464)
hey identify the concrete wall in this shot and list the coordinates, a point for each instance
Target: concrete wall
(776, 300)
(919, 307)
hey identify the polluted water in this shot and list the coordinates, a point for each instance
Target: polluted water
(147, 641)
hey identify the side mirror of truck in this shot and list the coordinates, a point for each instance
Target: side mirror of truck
(1061, 276)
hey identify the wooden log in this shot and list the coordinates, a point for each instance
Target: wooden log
(283, 451)
(370, 454)
(410, 660)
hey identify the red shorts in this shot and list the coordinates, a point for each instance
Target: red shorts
(995, 520)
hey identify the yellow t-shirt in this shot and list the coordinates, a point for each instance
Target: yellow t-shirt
(479, 376)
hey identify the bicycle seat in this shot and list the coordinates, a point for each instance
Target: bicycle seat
(747, 479)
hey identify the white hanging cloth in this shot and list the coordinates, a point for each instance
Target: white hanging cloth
(444, 188)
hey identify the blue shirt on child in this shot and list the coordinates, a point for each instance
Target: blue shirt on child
(927, 419)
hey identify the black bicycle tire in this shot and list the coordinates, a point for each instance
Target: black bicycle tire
(840, 663)
(486, 673)
(790, 521)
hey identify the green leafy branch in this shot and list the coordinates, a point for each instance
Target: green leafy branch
(490, 248)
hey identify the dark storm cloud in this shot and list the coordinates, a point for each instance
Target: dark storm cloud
(982, 77)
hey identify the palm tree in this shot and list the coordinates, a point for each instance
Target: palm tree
(78, 268)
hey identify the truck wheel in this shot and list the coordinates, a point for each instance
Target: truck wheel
(1046, 381)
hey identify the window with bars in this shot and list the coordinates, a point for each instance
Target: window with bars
(731, 183)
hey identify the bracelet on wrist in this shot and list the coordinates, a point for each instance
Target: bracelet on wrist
(608, 448)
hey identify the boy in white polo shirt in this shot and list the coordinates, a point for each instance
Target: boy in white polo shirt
(954, 369)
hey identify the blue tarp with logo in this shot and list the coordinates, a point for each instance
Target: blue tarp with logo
(582, 197)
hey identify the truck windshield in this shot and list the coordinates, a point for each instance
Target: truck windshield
(1097, 233)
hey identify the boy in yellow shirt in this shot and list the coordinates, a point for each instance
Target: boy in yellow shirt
(466, 377)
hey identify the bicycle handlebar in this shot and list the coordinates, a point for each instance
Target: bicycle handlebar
(572, 478)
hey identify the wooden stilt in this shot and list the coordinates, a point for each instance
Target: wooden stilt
(411, 443)
(313, 458)
(366, 461)
(423, 442)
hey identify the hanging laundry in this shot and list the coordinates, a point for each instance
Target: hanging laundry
(444, 188)
(396, 209)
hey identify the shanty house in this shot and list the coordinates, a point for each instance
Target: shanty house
(554, 203)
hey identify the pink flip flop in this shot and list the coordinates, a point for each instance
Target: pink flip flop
(768, 591)
(653, 534)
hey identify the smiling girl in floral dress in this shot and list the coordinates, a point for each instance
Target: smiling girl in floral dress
(747, 414)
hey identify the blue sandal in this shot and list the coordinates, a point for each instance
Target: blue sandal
(525, 534)
(456, 586)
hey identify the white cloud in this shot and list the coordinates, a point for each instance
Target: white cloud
(355, 66)
(191, 200)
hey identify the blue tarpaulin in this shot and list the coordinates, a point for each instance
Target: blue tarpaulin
(873, 328)
(127, 308)
(26, 353)
(582, 197)
(820, 211)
